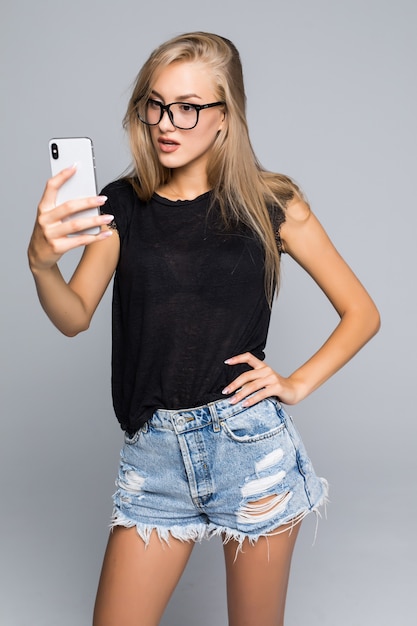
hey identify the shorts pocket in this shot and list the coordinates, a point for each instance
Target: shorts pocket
(257, 422)
(132, 439)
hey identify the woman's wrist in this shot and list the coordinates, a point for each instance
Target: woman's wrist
(299, 388)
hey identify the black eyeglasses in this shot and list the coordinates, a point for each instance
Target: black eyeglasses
(183, 115)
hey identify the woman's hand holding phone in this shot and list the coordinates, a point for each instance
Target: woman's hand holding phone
(58, 228)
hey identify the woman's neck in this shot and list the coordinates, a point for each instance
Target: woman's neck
(183, 188)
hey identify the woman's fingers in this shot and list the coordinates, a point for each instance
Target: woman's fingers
(261, 380)
(50, 213)
(246, 357)
(60, 216)
(58, 245)
(50, 238)
(48, 200)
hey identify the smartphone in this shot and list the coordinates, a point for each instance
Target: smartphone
(65, 152)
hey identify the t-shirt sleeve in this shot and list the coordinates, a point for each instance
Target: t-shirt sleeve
(120, 201)
(277, 219)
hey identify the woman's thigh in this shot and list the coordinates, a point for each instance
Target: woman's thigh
(257, 578)
(137, 580)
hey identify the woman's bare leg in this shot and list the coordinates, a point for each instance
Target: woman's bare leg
(257, 579)
(137, 582)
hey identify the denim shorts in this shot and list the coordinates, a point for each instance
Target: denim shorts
(218, 469)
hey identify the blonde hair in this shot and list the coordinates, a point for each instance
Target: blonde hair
(241, 187)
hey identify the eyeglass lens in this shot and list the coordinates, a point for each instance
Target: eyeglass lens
(182, 114)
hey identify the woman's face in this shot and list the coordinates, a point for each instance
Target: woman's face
(193, 83)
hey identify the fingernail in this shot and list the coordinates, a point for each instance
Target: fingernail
(225, 390)
(227, 361)
(102, 199)
(107, 218)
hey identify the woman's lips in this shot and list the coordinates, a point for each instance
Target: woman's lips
(167, 145)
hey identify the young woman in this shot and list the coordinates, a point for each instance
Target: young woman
(194, 237)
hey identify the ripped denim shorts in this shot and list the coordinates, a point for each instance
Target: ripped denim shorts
(218, 469)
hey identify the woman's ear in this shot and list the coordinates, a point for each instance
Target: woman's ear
(222, 122)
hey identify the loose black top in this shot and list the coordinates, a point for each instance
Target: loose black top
(188, 294)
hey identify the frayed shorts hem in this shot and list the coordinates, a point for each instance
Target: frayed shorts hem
(198, 532)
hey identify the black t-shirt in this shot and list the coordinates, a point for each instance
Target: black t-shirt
(188, 294)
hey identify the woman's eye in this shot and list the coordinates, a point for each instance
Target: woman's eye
(186, 108)
(153, 104)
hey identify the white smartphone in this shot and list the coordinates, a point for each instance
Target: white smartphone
(65, 152)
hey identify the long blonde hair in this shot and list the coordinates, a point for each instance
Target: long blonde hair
(242, 188)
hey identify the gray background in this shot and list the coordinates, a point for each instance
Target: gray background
(332, 101)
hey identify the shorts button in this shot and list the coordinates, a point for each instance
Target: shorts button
(180, 421)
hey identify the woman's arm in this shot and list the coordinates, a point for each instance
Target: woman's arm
(306, 241)
(70, 306)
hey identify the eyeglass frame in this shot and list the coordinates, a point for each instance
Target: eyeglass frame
(166, 108)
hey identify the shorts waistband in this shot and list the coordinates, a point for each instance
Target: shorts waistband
(183, 420)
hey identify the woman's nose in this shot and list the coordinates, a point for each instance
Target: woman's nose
(165, 123)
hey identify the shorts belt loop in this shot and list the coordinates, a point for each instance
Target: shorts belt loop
(215, 418)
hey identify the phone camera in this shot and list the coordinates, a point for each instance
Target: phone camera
(54, 151)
